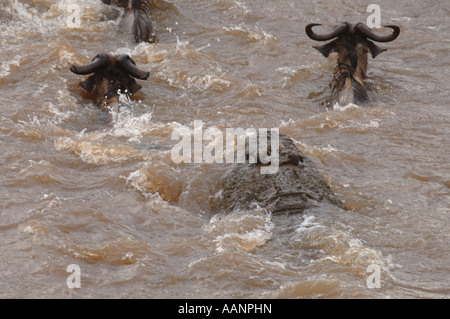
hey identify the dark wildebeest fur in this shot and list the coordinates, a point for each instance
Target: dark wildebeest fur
(352, 44)
(138, 11)
(111, 76)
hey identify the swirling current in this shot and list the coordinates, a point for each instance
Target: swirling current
(101, 191)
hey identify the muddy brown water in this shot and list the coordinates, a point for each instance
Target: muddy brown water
(101, 191)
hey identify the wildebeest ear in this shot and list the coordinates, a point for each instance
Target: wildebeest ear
(88, 84)
(374, 49)
(133, 87)
(326, 49)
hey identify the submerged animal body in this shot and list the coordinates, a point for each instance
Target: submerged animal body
(111, 76)
(352, 42)
(137, 18)
(296, 186)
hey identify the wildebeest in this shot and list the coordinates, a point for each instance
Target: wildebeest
(136, 17)
(112, 75)
(352, 44)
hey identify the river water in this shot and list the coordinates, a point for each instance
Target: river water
(101, 191)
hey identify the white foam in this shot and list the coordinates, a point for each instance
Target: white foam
(244, 230)
(5, 67)
(242, 6)
(126, 124)
(338, 107)
(22, 10)
(309, 222)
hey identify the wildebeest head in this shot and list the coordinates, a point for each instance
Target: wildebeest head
(352, 42)
(111, 76)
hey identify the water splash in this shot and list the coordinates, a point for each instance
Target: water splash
(244, 230)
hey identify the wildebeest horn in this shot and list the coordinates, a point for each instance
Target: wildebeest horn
(99, 62)
(129, 66)
(325, 37)
(365, 30)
